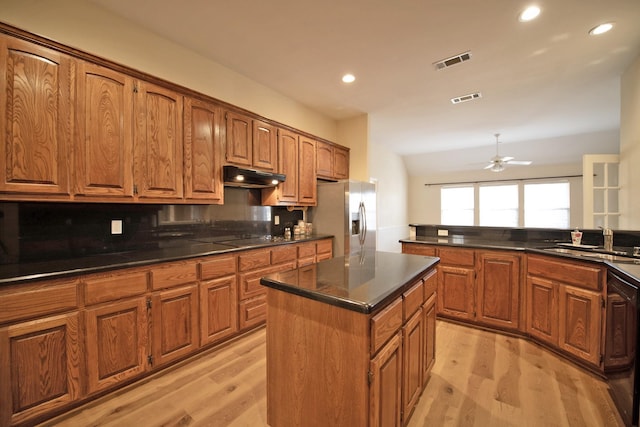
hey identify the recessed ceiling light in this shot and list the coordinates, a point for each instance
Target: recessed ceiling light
(601, 29)
(529, 14)
(348, 78)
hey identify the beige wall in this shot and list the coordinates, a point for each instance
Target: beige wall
(630, 148)
(83, 25)
(354, 133)
(390, 175)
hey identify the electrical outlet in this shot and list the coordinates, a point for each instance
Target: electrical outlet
(443, 233)
(276, 220)
(116, 226)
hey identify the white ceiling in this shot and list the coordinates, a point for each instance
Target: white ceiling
(549, 88)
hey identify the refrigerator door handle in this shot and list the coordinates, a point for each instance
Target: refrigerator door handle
(363, 220)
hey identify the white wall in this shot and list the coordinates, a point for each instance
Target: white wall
(630, 148)
(424, 200)
(389, 172)
(85, 26)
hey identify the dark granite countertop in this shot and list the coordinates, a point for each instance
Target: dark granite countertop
(359, 283)
(630, 269)
(179, 250)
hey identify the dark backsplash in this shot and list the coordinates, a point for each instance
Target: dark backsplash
(31, 232)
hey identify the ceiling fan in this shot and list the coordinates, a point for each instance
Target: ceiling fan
(498, 163)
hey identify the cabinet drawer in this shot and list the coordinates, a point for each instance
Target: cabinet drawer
(28, 301)
(455, 256)
(412, 299)
(418, 249)
(430, 283)
(385, 324)
(324, 246)
(173, 274)
(249, 283)
(306, 250)
(213, 268)
(252, 311)
(577, 274)
(284, 253)
(254, 259)
(101, 288)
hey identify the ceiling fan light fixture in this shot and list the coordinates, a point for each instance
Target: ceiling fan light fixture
(497, 167)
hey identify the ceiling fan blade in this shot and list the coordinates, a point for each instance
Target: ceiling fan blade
(506, 158)
(489, 166)
(520, 162)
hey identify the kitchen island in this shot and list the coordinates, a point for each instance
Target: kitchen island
(351, 340)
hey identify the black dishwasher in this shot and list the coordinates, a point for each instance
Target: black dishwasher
(621, 363)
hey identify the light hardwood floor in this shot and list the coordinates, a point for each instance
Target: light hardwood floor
(479, 379)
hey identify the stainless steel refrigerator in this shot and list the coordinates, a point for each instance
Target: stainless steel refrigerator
(347, 210)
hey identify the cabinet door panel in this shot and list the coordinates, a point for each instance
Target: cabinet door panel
(159, 162)
(40, 367)
(324, 160)
(116, 342)
(429, 314)
(203, 166)
(307, 185)
(385, 400)
(218, 309)
(104, 144)
(341, 163)
(542, 310)
(413, 353)
(580, 323)
(288, 165)
(455, 292)
(239, 139)
(265, 146)
(174, 323)
(35, 124)
(252, 311)
(499, 290)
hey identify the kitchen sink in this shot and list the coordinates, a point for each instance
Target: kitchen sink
(612, 257)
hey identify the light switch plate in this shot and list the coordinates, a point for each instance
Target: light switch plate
(443, 233)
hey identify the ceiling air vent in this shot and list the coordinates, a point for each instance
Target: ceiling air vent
(465, 98)
(452, 61)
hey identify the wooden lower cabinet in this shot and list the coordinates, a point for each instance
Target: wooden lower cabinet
(385, 393)
(40, 367)
(498, 290)
(413, 354)
(174, 325)
(565, 307)
(429, 352)
(116, 342)
(456, 292)
(218, 309)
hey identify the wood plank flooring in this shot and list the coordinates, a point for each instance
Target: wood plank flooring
(479, 379)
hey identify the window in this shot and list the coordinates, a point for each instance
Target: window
(546, 205)
(499, 205)
(457, 205)
(506, 204)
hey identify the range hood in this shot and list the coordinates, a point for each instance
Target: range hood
(235, 176)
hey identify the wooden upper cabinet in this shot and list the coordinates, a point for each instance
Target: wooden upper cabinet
(265, 146)
(307, 186)
(202, 151)
(35, 119)
(104, 132)
(325, 160)
(158, 165)
(239, 142)
(332, 161)
(251, 142)
(341, 163)
(288, 165)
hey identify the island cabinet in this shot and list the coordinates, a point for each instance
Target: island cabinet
(250, 142)
(35, 121)
(478, 286)
(328, 364)
(565, 306)
(41, 356)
